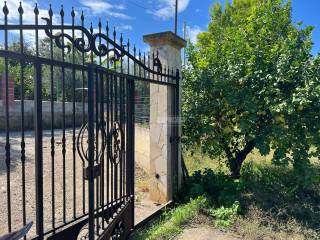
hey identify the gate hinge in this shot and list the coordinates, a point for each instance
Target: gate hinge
(175, 139)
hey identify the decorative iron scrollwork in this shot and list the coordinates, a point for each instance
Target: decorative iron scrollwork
(79, 43)
(102, 50)
(117, 231)
(84, 233)
(157, 63)
(87, 43)
(117, 145)
(83, 140)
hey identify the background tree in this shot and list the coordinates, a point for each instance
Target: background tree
(251, 82)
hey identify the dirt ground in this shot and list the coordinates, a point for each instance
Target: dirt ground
(205, 232)
(144, 207)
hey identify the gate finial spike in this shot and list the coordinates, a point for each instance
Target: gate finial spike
(128, 44)
(91, 28)
(73, 14)
(121, 39)
(5, 8)
(62, 11)
(99, 24)
(50, 11)
(107, 28)
(114, 33)
(82, 16)
(36, 10)
(20, 9)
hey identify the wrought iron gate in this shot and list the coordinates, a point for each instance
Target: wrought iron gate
(84, 158)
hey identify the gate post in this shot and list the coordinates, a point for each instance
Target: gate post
(91, 149)
(165, 127)
(38, 150)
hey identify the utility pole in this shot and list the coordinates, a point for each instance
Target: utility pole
(176, 19)
(185, 38)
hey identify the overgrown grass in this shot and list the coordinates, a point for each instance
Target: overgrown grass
(171, 223)
(275, 202)
(267, 202)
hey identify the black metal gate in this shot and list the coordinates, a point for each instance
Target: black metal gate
(82, 133)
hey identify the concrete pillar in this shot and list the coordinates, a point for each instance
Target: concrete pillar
(163, 176)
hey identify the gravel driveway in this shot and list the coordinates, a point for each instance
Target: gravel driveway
(144, 207)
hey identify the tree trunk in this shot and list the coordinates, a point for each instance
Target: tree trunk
(235, 163)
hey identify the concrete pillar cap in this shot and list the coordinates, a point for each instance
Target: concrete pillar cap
(165, 38)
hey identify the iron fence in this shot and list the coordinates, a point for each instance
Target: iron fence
(73, 183)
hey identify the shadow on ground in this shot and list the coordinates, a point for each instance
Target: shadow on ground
(279, 192)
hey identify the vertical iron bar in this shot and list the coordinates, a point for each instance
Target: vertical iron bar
(63, 122)
(96, 100)
(111, 140)
(121, 121)
(108, 141)
(126, 132)
(103, 142)
(38, 136)
(38, 151)
(91, 149)
(109, 127)
(116, 121)
(74, 120)
(23, 156)
(52, 129)
(83, 118)
(102, 122)
(7, 147)
(130, 139)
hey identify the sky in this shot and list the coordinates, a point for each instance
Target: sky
(135, 18)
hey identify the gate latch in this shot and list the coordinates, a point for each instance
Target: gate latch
(96, 171)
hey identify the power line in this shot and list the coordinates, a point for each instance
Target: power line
(137, 4)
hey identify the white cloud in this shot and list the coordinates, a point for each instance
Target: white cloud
(28, 18)
(99, 7)
(124, 28)
(28, 15)
(193, 32)
(166, 8)
(96, 6)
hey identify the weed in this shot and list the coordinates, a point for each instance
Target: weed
(171, 223)
(224, 217)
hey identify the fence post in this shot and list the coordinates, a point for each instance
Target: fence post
(38, 150)
(91, 149)
(165, 154)
(130, 141)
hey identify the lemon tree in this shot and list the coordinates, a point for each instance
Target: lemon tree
(251, 82)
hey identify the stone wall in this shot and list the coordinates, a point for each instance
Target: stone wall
(15, 114)
(142, 134)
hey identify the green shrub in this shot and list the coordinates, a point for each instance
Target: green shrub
(224, 217)
(218, 187)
